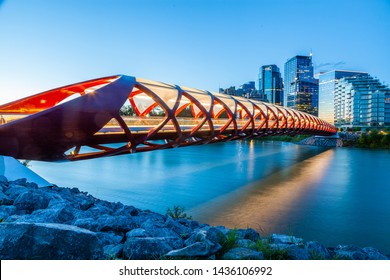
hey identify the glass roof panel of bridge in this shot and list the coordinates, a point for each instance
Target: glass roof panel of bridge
(227, 100)
(202, 96)
(246, 103)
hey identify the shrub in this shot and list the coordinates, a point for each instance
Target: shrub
(178, 212)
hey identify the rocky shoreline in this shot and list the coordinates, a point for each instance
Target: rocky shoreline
(62, 223)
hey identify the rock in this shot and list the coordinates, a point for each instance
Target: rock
(154, 229)
(245, 243)
(137, 232)
(6, 211)
(3, 182)
(198, 235)
(249, 233)
(31, 185)
(349, 252)
(113, 252)
(150, 218)
(125, 210)
(115, 223)
(181, 230)
(86, 204)
(373, 254)
(87, 223)
(19, 182)
(2, 197)
(188, 223)
(14, 191)
(145, 248)
(109, 238)
(317, 250)
(215, 235)
(285, 239)
(297, 253)
(196, 250)
(31, 200)
(59, 213)
(47, 241)
(243, 254)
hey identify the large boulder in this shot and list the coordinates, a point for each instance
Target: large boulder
(248, 233)
(349, 252)
(180, 229)
(285, 239)
(62, 213)
(196, 250)
(31, 200)
(373, 254)
(145, 248)
(115, 223)
(317, 250)
(157, 229)
(47, 241)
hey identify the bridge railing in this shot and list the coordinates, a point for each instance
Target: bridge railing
(60, 123)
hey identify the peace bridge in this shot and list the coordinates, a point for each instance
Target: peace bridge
(83, 120)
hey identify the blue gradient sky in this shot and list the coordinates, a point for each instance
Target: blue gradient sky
(203, 44)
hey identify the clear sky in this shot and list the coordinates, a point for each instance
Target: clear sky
(197, 43)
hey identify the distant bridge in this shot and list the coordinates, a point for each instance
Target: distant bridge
(83, 120)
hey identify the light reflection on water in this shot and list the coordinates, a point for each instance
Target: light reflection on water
(337, 196)
(266, 203)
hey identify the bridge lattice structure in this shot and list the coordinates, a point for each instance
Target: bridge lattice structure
(84, 120)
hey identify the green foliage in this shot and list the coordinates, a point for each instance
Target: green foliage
(374, 139)
(230, 242)
(269, 252)
(178, 212)
(286, 138)
(127, 110)
(2, 220)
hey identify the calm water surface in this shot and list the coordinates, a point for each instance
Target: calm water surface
(335, 196)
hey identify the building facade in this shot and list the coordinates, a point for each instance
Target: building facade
(362, 101)
(300, 86)
(247, 90)
(271, 84)
(326, 92)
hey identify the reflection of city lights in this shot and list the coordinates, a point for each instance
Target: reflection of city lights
(267, 201)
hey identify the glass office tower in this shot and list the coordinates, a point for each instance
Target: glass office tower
(271, 84)
(300, 86)
(326, 93)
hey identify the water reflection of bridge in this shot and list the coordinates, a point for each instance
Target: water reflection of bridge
(83, 120)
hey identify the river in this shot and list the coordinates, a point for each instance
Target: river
(334, 196)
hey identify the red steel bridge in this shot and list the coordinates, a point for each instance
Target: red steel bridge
(84, 120)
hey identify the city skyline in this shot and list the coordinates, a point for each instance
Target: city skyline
(201, 44)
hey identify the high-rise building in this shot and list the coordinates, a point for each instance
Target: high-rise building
(271, 84)
(326, 92)
(361, 100)
(300, 86)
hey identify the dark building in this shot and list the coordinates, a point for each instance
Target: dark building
(271, 84)
(300, 86)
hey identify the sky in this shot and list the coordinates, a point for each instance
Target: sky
(204, 44)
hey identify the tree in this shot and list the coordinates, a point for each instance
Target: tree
(127, 110)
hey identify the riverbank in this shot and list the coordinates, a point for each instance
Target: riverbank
(62, 223)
